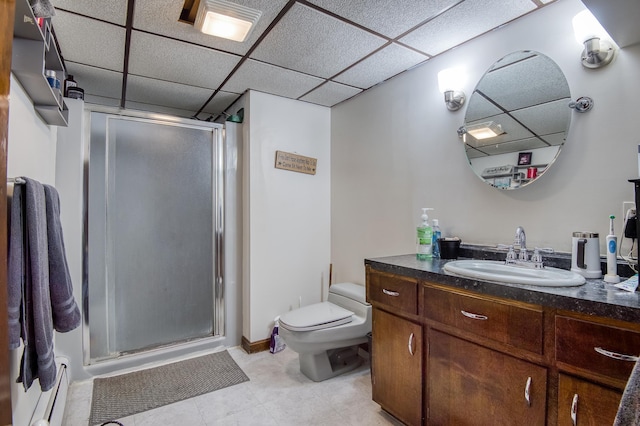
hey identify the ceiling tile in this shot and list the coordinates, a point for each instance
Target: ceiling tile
(171, 60)
(96, 81)
(548, 118)
(387, 17)
(270, 79)
(476, 16)
(108, 10)
(89, 42)
(382, 65)
(220, 102)
(532, 81)
(330, 94)
(164, 93)
(306, 40)
(140, 106)
(161, 17)
(101, 100)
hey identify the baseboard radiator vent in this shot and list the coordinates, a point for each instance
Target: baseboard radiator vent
(50, 408)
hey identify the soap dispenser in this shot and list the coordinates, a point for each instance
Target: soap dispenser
(424, 239)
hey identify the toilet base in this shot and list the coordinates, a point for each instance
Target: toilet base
(327, 364)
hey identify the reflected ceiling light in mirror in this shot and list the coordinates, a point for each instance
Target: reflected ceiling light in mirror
(224, 19)
(485, 130)
(450, 81)
(599, 48)
(480, 131)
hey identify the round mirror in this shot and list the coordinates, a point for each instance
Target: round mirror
(517, 120)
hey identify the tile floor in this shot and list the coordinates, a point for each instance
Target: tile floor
(276, 394)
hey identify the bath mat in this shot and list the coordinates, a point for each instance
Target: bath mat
(121, 396)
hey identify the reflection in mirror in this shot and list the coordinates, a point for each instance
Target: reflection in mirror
(517, 120)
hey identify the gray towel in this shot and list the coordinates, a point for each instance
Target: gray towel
(37, 358)
(66, 315)
(15, 284)
(629, 408)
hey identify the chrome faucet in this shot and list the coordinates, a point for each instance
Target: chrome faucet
(521, 241)
(522, 258)
(521, 238)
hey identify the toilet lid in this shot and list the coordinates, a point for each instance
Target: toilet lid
(316, 317)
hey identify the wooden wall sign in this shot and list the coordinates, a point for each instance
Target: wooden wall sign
(296, 163)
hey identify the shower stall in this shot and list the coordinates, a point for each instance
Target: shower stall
(156, 240)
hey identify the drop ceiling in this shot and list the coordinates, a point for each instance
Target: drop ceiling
(137, 54)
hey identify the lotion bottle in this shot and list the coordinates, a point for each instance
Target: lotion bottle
(612, 255)
(424, 238)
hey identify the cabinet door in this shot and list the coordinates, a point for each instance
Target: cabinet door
(469, 384)
(582, 403)
(397, 366)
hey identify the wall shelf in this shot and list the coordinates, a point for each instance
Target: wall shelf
(34, 51)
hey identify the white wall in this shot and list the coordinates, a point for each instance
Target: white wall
(394, 149)
(31, 152)
(287, 214)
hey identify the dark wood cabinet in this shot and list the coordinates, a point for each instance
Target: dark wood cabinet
(397, 356)
(459, 357)
(469, 384)
(583, 403)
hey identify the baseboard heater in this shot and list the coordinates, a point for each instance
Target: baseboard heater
(49, 410)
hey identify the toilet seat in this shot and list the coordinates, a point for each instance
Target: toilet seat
(316, 317)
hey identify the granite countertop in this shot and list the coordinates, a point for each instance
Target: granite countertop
(595, 297)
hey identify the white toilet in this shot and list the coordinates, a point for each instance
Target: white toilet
(326, 335)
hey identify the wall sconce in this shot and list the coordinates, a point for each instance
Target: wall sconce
(224, 19)
(597, 52)
(449, 81)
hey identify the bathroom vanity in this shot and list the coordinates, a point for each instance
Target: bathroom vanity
(457, 351)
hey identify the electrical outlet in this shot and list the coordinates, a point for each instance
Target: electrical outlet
(626, 205)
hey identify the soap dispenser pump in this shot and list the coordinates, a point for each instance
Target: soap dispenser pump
(424, 240)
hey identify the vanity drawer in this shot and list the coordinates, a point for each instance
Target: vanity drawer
(599, 348)
(393, 291)
(512, 323)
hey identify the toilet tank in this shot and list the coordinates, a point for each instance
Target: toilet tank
(350, 296)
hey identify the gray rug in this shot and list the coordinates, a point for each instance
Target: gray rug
(121, 396)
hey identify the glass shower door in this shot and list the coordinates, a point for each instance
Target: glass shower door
(152, 268)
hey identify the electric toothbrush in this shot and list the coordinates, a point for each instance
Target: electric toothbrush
(612, 257)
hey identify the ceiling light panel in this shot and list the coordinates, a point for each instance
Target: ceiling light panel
(382, 65)
(175, 61)
(478, 16)
(270, 79)
(88, 41)
(114, 11)
(306, 40)
(330, 94)
(387, 17)
(161, 17)
(224, 19)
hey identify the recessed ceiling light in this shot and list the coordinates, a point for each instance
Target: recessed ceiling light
(224, 19)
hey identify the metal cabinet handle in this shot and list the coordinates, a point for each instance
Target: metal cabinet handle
(411, 344)
(615, 355)
(390, 293)
(574, 410)
(474, 316)
(527, 392)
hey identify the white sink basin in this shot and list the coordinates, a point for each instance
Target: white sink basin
(492, 270)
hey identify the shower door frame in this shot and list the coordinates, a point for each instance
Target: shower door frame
(218, 208)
